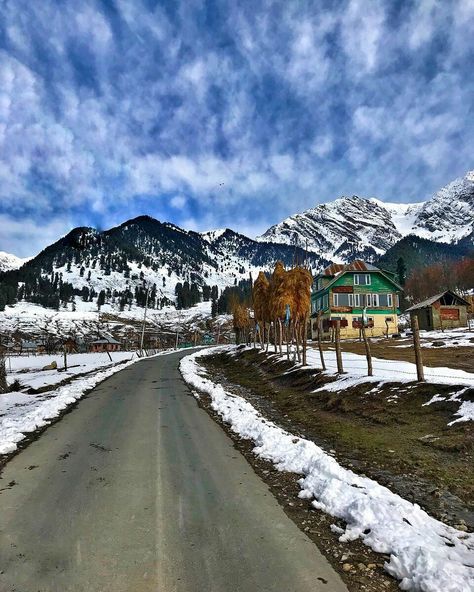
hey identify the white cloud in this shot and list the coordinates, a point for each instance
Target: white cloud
(178, 202)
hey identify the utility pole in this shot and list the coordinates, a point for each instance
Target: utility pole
(144, 319)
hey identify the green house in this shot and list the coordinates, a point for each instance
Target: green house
(355, 294)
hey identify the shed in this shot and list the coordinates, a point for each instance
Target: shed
(106, 343)
(442, 311)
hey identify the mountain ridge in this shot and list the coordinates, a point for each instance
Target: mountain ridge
(352, 226)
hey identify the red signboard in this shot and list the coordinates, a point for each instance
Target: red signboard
(343, 289)
(449, 314)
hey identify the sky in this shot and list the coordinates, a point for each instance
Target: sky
(227, 113)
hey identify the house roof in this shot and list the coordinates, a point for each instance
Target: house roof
(106, 339)
(433, 299)
(357, 265)
(335, 270)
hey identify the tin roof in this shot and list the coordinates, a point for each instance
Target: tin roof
(433, 299)
(357, 265)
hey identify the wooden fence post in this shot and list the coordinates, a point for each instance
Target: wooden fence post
(340, 369)
(3, 375)
(305, 337)
(416, 342)
(65, 358)
(320, 345)
(367, 352)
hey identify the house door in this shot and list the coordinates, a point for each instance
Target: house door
(428, 320)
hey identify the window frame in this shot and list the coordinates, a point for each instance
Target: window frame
(367, 276)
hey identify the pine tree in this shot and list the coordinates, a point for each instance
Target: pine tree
(401, 271)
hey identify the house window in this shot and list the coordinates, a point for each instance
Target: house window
(362, 279)
(371, 300)
(357, 300)
(325, 300)
(386, 300)
(343, 299)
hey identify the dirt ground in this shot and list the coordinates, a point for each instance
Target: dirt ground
(461, 358)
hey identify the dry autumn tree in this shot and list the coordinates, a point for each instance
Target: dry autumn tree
(288, 294)
(241, 318)
(260, 297)
(280, 296)
(299, 280)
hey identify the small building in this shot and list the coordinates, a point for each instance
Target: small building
(355, 294)
(442, 311)
(105, 343)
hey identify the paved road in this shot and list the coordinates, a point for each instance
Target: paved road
(138, 490)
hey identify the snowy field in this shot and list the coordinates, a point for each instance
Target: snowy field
(36, 320)
(28, 369)
(426, 555)
(448, 338)
(384, 370)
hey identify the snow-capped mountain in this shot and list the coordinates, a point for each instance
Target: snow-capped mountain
(9, 261)
(118, 265)
(354, 226)
(448, 216)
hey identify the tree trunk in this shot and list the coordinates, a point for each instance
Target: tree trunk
(367, 352)
(297, 332)
(287, 332)
(320, 347)
(280, 336)
(305, 337)
(337, 335)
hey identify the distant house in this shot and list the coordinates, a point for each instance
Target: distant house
(105, 343)
(442, 311)
(355, 294)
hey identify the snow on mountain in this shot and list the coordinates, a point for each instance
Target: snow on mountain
(9, 261)
(449, 215)
(340, 230)
(350, 227)
(212, 235)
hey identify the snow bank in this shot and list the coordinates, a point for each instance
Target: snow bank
(425, 554)
(20, 413)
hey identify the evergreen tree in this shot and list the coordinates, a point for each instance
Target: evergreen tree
(401, 271)
(101, 299)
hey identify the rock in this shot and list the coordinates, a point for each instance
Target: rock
(461, 526)
(361, 566)
(371, 565)
(347, 567)
(52, 366)
(438, 343)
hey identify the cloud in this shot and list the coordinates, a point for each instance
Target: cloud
(178, 202)
(235, 117)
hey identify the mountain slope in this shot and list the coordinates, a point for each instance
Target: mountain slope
(356, 227)
(449, 215)
(418, 252)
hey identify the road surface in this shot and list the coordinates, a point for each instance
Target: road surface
(139, 490)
